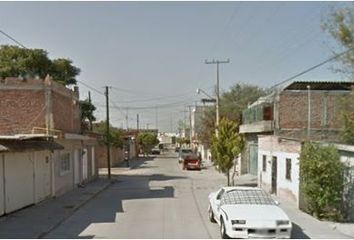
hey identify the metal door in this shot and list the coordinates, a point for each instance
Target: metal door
(274, 174)
(42, 175)
(76, 166)
(253, 158)
(2, 186)
(84, 164)
(93, 165)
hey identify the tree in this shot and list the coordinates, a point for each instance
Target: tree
(339, 24)
(87, 117)
(32, 63)
(346, 105)
(321, 179)
(147, 141)
(115, 137)
(232, 103)
(226, 146)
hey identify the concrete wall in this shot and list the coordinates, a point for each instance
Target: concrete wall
(117, 156)
(282, 149)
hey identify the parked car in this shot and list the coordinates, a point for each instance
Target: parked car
(248, 212)
(177, 149)
(192, 161)
(156, 150)
(183, 153)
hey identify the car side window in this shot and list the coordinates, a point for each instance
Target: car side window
(218, 197)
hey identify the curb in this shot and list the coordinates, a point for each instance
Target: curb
(75, 209)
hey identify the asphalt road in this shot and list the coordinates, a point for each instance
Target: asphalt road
(156, 199)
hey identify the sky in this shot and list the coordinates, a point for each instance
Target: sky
(151, 54)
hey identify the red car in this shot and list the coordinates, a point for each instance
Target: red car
(192, 162)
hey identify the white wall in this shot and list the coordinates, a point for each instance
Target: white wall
(2, 187)
(42, 175)
(286, 189)
(19, 175)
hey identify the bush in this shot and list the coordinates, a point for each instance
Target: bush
(321, 179)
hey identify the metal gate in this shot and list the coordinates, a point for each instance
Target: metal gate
(253, 158)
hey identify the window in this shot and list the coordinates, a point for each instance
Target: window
(264, 163)
(288, 169)
(64, 163)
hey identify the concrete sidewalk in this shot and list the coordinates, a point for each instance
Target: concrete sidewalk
(307, 226)
(36, 221)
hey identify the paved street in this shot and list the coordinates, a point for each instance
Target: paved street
(153, 198)
(157, 199)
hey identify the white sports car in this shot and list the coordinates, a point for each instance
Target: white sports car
(248, 212)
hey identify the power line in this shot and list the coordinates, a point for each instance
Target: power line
(13, 39)
(314, 67)
(90, 87)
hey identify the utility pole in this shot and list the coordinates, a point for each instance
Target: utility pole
(137, 122)
(107, 133)
(156, 119)
(190, 124)
(127, 119)
(90, 120)
(217, 62)
(309, 112)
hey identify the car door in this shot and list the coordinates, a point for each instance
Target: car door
(216, 204)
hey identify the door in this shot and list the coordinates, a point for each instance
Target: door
(42, 175)
(274, 175)
(93, 163)
(84, 164)
(253, 159)
(76, 166)
(19, 184)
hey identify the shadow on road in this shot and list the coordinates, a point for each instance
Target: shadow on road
(107, 206)
(298, 233)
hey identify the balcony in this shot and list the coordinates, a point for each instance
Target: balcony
(257, 127)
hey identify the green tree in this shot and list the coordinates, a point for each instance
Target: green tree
(31, 63)
(232, 103)
(87, 117)
(321, 179)
(226, 146)
(346, 105)
(339, 24)
(147, 141)
(115, 137)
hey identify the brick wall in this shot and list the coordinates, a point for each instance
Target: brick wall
(325, 117)
(21, 110)
(117, 156)
(23, 106)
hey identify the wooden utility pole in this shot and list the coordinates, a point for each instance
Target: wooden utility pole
(217, 62)
(90, 119)
(108, 135)
(137, 122)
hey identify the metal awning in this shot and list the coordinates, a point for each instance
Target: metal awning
(16, 145)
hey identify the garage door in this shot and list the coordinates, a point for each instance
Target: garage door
(19, 181)
(42, 176)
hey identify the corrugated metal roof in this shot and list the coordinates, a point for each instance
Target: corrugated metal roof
(16, 145)
(320, 85)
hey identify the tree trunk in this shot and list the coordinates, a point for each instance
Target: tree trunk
(228, 177)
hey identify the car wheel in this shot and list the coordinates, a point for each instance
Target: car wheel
(211, 215)
(223, 230)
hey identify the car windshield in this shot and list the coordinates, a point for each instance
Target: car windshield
(186, 150)
(247, 196)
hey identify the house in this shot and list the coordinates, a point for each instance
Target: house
(279, 169)
(45, 107)
(26, 175)
(285, 112)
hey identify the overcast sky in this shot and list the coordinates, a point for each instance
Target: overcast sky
(152, 53)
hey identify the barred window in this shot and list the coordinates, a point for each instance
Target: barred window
(264, 163)
(64, 163)
(288, 169)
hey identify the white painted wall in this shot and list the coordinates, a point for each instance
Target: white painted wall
(42, 175)
(2, 187)
(76, 166)
(19, 175)
(270, 146)
(93, 161)
(84, 164)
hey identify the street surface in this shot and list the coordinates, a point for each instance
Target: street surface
(156, 199)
